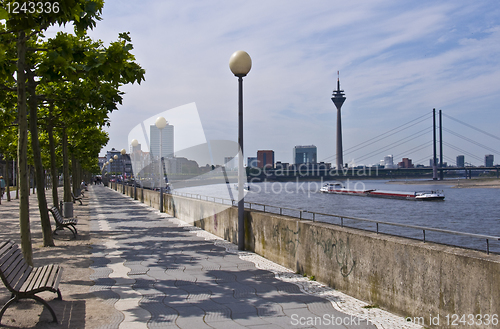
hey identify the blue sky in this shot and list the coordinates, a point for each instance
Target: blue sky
(397, 61)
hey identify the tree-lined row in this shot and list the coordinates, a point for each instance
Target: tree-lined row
(61, 90)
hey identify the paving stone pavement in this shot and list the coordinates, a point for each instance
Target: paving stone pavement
(160, 272)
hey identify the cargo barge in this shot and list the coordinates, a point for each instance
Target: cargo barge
(337, 188)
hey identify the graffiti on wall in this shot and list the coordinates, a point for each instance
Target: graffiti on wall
(288, 237)
(337, 249)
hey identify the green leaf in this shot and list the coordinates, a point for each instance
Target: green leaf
(4, 14)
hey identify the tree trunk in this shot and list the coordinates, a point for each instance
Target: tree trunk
(32, 175)
(37, 158)
(17, 180)
(22, 152)
(7, 180)
(74, 175)
(67, 184)
(53, 163)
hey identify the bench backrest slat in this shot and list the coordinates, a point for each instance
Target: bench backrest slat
(7, 259)
(5, 246)
(57, 215)
(22, 279)
(18, 270)
(13, 267)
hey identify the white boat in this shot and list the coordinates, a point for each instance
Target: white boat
(429, 195)
(331, 187)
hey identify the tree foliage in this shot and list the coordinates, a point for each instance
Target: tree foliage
(70, 82)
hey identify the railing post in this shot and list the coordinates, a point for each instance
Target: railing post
(377, 228)
(264, 208)
(424, 234)
(314, 217)
(487, 247)
(341, 221)
(301, 215)
(281, 211)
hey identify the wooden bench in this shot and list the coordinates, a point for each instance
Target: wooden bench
(77, 198)
(25, 281)
(62, 223)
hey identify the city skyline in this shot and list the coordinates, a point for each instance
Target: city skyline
(397, 62)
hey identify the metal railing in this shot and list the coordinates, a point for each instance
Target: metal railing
(299, 213)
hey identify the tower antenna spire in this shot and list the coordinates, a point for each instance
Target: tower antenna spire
(338, 99)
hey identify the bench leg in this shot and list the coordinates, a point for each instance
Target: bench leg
(12, 300)
(73, 230)
(38, 299)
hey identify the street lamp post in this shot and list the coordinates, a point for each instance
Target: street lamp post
(240, 64)
(105, 178)
(160, 124)
(123, 152)
(134, 143)
(111, 166)
(115, 157)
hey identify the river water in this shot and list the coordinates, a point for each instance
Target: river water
(469, 210)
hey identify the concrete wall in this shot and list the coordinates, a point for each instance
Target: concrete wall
(402, 275)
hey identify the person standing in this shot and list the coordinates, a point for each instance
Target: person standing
(2, 188)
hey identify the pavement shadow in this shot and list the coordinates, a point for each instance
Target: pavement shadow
(188, 281)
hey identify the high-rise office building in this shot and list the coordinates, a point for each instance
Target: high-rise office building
(388, 162)
(488, 160)
(167, 143)
(252, 162)
(265, 158)
(405, 163)
(460, 161)
(305, 154)
(134, 149)
(114, 166)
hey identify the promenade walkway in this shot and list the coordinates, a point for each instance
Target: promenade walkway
(150, 270)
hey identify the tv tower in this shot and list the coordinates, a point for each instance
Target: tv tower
(338, 99)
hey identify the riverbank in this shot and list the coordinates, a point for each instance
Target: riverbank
(455, 183)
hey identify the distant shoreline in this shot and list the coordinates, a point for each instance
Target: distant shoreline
(455, 183)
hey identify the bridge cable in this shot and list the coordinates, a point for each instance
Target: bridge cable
(471, 141)
(424, 158)
(470, 126)
(379, 137)
(350, 150)
(462, 151)
(416, 148)
(398, 143)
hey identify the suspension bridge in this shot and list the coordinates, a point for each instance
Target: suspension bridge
(418, 138)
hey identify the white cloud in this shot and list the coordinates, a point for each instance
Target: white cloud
(396, 60)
